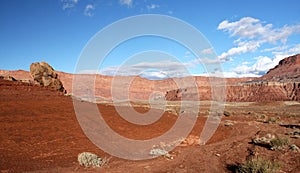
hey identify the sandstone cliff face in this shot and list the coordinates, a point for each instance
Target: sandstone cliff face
(282, 83)
(264, 92)
(279, 84)
(246, 93)
(288, 70)
(43, 74)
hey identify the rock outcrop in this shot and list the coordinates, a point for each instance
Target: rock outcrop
(10, 78)
(264, 92)
(288, 70)
(282, 83)
(43, 74)
(250, 92)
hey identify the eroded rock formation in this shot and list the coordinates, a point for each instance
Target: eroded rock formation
(288, 70)
(43, 74)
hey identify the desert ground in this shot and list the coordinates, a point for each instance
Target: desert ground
(40, 133)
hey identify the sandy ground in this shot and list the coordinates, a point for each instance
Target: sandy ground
(40, 133)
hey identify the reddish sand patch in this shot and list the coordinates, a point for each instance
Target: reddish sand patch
(40, 132)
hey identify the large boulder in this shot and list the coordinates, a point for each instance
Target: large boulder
(43, 74)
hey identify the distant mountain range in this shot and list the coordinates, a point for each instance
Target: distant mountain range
(280, 83)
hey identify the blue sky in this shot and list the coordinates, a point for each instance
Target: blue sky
(248, 37)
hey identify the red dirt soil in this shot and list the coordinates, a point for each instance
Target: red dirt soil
(40, 133)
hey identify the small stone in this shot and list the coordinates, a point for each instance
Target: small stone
(295, 136)
(294, 147)
(226, 113)
(218, 155)
(147, 167)
(228, 123)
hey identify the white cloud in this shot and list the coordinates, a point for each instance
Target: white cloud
(157, 70)
(277, 48)
(152, 70)
(207, 51)
(279, 55)
(243, 47)
(205, 61)
(250, 28)
(281, 34)
(245, 63)
(126, 2)
(68, 4)
(152, 6)
(88, 11)
(252, 33)
(259, 68)
(226, 74)
(247, 27)
(265, 63)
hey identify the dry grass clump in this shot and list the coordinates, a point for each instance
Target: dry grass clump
(88, 159)
(258, 165)
(271, 142)
(279, 143)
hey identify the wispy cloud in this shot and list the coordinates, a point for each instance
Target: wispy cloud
(151, 70)
(265, 63)
(251, 33)
(242, 47)
(262, 65)
(205, 61)
(69, 4)
(288, 51)
(246, 27)
(251, 28)
(159, 69)
(207, 51)
(152, 6)
(277, 48)
(89, 10)
(128, 3)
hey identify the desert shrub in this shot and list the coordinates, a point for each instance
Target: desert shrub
(264, 140)
(279, 143)
(262, 116)
(271, 142)
(88, 159)
(271, 120)
(257, 165)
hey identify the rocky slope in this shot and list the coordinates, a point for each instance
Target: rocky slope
(282, 83)
(288, 70)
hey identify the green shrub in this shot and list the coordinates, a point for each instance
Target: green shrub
(258, 165)
(272, 120)
(279, 143)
